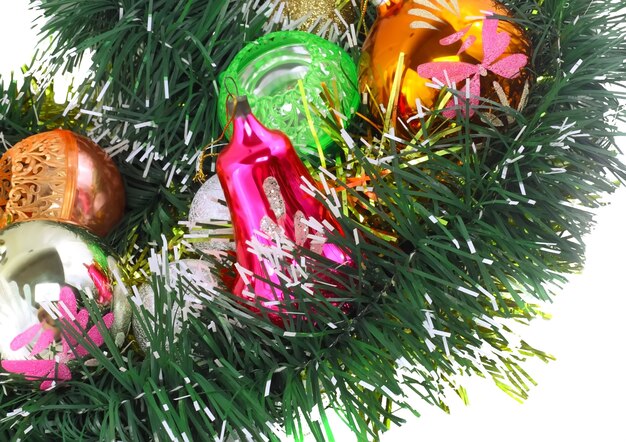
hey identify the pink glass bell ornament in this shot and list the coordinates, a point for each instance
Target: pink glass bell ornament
(269, 193)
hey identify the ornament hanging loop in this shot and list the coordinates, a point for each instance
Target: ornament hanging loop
(231, 106)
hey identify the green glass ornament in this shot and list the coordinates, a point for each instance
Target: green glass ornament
(268, 70)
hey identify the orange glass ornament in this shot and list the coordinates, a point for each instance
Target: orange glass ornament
(61, 176)
(417, 28)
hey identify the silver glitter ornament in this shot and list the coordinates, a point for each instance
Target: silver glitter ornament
(209, 207)
(182, 274)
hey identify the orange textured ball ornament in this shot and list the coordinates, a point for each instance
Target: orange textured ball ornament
(465, 45)
(61, 176)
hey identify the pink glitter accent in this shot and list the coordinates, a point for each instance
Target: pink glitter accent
(509, 66)
(494, 42)
(466, 44)
(49, 369)
(494, 45)
(25, 337)
(450, 39)
(46, 338)
(455, 71)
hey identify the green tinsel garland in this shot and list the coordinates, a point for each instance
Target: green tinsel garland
(234, 373)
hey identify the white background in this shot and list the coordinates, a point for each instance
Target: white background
(580, 397)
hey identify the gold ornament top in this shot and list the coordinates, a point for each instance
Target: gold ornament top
(320, 11)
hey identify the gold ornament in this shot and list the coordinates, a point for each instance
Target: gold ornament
(320, 11)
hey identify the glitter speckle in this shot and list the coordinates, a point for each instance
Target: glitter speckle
(301, 229)
(269, 227)
(209, 204)
(274, 197)
(317, 246)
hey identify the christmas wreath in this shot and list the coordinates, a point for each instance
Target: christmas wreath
(303, 206)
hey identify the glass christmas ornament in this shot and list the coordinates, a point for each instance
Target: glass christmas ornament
(181, 274)
(44, 266)
(265, 184)
(209, 207)
(318, 15)
(267, 71)
(61, 176)
(461, 45)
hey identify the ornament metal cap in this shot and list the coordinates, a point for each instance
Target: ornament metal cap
(238, 106)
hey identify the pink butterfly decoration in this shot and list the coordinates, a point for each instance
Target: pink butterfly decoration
(56, 369)
(451, 72)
